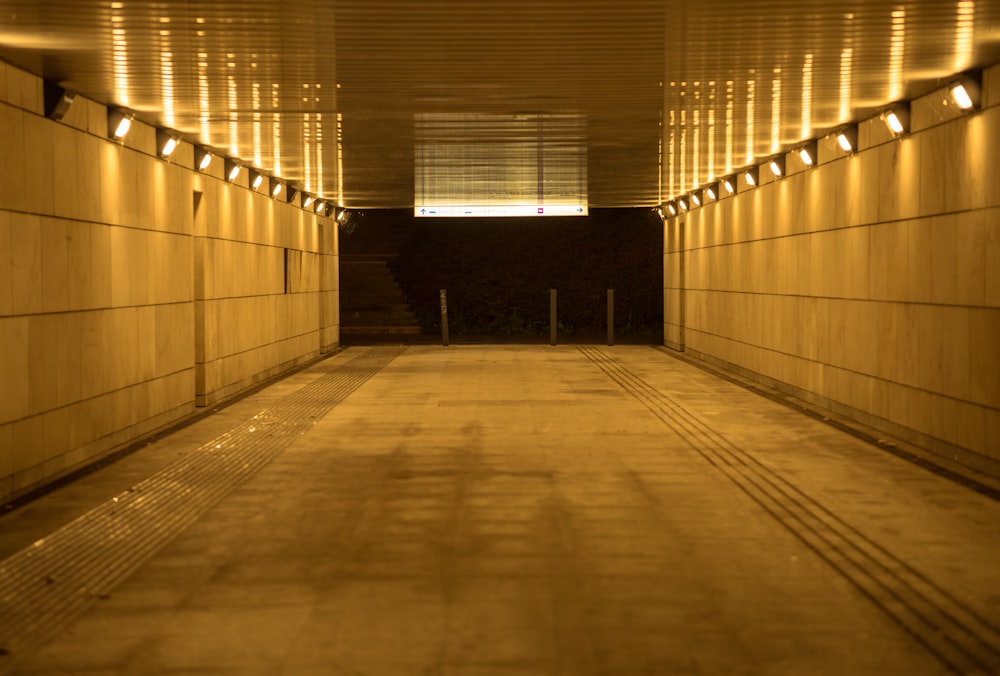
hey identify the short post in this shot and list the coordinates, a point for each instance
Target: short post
(611, 316)
(444, 318)
(552, 316)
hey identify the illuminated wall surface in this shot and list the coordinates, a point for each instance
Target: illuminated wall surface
(869, 284)
(133, 288)
(499, 165)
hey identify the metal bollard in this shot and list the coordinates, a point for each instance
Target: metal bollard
(611, 316)
(444, 318)
(552, 316)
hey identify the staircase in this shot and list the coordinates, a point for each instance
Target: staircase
(372, 304)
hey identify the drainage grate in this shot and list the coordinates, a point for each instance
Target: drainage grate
(49, 584)
(963, 640)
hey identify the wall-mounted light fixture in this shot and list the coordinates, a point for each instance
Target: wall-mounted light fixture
(232, 170)
(712, 191)
(202, 158)
(751, 177)
(342, 216)
(777, 166)
(119, 122)
(897, 118)
(307, 200)
(290, 193)
(256, 179)
(274, 187)
(166, 143)
(319, 206)
(57, 100)
(729, 185)
(329, 209)
(847, 138)
(695, 198)
(966, 90)
(682, 204)
(807, 154)
(672, 208)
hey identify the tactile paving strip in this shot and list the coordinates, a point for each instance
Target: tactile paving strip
(964, 641)
(49, 584)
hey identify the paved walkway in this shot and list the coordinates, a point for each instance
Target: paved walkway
(504, 510)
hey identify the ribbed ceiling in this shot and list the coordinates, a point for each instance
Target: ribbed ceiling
(374, 102)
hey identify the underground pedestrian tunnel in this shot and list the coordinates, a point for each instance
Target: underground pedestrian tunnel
(721, 390)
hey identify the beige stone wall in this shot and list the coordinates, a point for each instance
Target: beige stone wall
(122, 305)
(869, 284)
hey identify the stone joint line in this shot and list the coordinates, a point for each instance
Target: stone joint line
(961, 639)
(47, 585)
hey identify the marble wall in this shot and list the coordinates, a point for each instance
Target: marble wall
(869, 284)
(133, 289)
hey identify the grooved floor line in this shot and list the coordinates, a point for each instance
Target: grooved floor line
(964, 641)
(50, 583)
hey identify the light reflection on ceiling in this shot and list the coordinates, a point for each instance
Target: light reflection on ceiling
(669, 93)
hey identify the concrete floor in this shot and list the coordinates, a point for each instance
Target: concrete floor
(507, 510)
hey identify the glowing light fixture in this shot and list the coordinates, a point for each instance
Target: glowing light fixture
(232, 170)
(897, 119)
(682, 204)
(329, 209)
(119, 122)
(202, 159)
(671, 208)
(847, 138)
(777, 166)
(256, 178)
(307, 201)
(729, 185)
(807, 154)
(342, 215)
(750, 176)
(275, 187)
(696, 198)
(166, 143)
(319, 206)
(965, 92)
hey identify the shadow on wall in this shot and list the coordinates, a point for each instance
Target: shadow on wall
(498, 271)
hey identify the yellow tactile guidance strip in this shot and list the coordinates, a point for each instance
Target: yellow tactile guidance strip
(50, 583)
(964, 641)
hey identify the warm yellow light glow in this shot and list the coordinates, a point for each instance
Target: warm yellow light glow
(206, 160)
(711, 193)
(728, 185)
(897, 46)
(775, 168)
(807, 86)
(672, 209)
(683, 205)
(749, 178)
(964, 33)
(275, 189)
(961, 97)
(844, 142)
(234, 172)
(695, 199)
(169, 147)
(307, 201)
(123, 126)
(776, 111)
(807, 159)
(257, 180)
(892, 121)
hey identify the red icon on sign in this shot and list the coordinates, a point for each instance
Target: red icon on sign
(541, 210)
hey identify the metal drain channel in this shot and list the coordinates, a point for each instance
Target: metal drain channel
(963, 640)
(50, 583)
